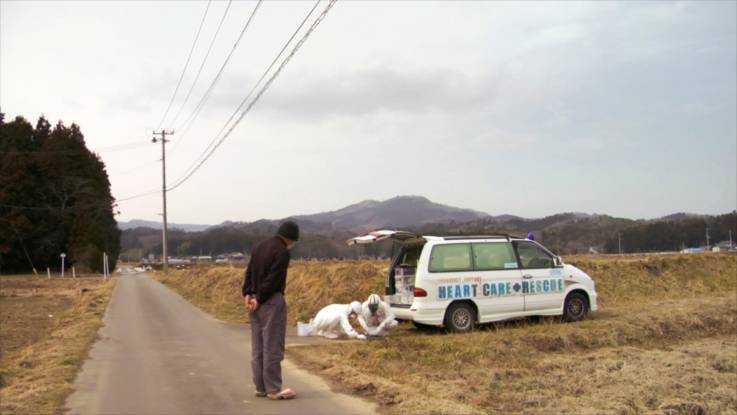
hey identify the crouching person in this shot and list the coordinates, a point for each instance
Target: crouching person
(333, 322)
(376, 317)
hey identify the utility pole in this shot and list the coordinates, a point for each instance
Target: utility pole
(163, 134)
(619, 242)
(707, 238)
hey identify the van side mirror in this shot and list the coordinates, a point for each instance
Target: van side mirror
(557, 261)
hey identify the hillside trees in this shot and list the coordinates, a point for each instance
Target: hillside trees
(54, 197)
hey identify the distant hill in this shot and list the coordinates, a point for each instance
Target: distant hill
(400, 211)
(139, 223)
(680, 216)
(324, 234)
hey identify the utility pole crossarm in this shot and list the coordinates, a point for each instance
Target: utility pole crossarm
(163, 134)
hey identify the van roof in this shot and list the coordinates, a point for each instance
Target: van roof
(412, 238)
(504, 236)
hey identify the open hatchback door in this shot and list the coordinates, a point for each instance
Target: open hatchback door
(400, 279)
(376, 236)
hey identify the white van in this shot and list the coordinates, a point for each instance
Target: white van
(461, 281)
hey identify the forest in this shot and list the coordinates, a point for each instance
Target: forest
(54, 198)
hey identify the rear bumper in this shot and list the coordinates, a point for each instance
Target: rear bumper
(593, 300)
(420, 313)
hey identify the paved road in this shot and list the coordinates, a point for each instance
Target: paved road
(158, 354)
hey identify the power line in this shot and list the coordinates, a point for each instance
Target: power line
(286, 60)
(110, 149)
(186, 64)
(102, 204)
(193, 116)
(202, 65)
(232, 116)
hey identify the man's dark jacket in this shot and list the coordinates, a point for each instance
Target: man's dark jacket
(267, 270)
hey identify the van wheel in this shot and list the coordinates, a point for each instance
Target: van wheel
(460, 318)
(575, 307)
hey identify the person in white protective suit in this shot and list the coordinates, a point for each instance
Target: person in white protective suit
(333, 322)
(376, 317)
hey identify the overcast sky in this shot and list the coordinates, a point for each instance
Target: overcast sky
(623, 108)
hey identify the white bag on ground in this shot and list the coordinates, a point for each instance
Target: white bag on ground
(304, 329)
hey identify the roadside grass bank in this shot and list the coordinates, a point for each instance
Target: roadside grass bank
(313, 285)
(47, 327)
(663, 342)
(310, 286)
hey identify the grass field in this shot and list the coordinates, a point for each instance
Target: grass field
(47, 327)
(663, 342)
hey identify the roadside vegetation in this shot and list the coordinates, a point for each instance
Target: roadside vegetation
(663, 342)
(47, 327)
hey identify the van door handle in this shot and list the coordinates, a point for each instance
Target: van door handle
(527, 276)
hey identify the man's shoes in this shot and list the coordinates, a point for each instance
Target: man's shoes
(260, 394)
(283, 395)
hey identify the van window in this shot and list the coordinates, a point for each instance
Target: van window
(488, 256)
(450, 257)
(409, 256)
(532, 256)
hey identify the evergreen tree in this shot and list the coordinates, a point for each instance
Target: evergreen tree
(54, 197)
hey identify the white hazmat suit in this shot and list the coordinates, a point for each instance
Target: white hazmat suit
(332, 322)
(376, 317)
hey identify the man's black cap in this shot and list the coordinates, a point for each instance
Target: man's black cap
(289, 230)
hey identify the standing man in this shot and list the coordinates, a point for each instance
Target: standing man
(263, 294)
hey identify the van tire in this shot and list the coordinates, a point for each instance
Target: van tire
(575, 307)
(460, 317)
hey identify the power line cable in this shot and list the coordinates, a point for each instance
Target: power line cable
(253, 89)
(202, 65)
(186, 65)
(212, 147)
(114, 202)
(109, 149)
(193, 116)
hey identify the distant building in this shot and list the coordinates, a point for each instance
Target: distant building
(725, 245)
(693, 250)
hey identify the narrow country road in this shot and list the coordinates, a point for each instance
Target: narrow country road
(158, 354)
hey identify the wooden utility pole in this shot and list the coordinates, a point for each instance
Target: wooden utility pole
(163, 134)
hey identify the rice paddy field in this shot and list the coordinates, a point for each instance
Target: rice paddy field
(47, 327)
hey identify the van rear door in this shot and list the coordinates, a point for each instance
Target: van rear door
(400, 280)
(376, 236)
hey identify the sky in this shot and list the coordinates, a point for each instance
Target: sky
(526, 108)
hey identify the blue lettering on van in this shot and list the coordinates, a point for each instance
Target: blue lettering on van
(500, 289)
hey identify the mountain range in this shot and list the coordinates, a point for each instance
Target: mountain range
(397, 212)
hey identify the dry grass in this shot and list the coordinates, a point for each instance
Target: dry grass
(663, 342)
(47, 328)
(310, 286)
